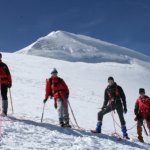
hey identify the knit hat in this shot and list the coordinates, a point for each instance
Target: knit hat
(110, 78)
(141, 90)
(54, 71)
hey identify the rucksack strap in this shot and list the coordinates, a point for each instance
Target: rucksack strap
(116, 93)
(146, 106)
(59, 81)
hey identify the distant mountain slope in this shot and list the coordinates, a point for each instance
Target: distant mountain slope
(71, 47)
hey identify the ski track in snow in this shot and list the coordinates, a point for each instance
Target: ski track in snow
(87, 83)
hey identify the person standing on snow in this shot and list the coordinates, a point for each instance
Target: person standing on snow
(5, 82)
(114, 99)
(142, 112)
(56, 88)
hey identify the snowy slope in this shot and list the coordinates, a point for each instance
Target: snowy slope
(71, 47)
(87, 83)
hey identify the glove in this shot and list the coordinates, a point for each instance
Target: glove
(138, 117)
(125, 110)
(103, 108)
(55, 105)
(44, 101)
(9, 85)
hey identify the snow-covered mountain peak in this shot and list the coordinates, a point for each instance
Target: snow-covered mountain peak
(72, 47)
(55, 33)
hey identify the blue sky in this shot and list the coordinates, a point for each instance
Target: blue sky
(122, 22)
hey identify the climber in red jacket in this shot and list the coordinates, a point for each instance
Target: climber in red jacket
(142, 112)
(5, 83)
(56, 88)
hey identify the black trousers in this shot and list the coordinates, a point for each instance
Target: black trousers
(110, 108)
(4, 90)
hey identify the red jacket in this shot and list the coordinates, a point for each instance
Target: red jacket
(142, 107)
(5, 76)
(56, 88)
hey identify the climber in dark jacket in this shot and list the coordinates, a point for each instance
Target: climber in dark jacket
(114, 99)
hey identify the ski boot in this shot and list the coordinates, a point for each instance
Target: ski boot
(62, 124)
(98, 127)
(67, 125)
(139, 132)
(3, 114)
(124, 131)
(4, 108)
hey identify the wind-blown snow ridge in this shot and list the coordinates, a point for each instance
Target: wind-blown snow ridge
(72, 47)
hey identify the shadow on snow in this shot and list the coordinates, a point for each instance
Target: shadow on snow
(76, 132)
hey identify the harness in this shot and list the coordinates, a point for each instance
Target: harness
(111, 98)
(145, 108)
(56, 85)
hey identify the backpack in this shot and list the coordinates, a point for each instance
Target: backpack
(144, 106)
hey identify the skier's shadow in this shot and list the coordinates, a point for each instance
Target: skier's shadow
(77, 132)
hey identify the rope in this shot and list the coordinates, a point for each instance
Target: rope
(75, 126)
(72, 124)
(82, 129)
(115, 133)
(132, 127)
(73, 115)
(115, 122)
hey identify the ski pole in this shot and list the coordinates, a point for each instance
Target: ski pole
(145, 130)
(11, 101)
(43, 112)
(73, 115)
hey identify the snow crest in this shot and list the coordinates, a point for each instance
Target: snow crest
(79, 48)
